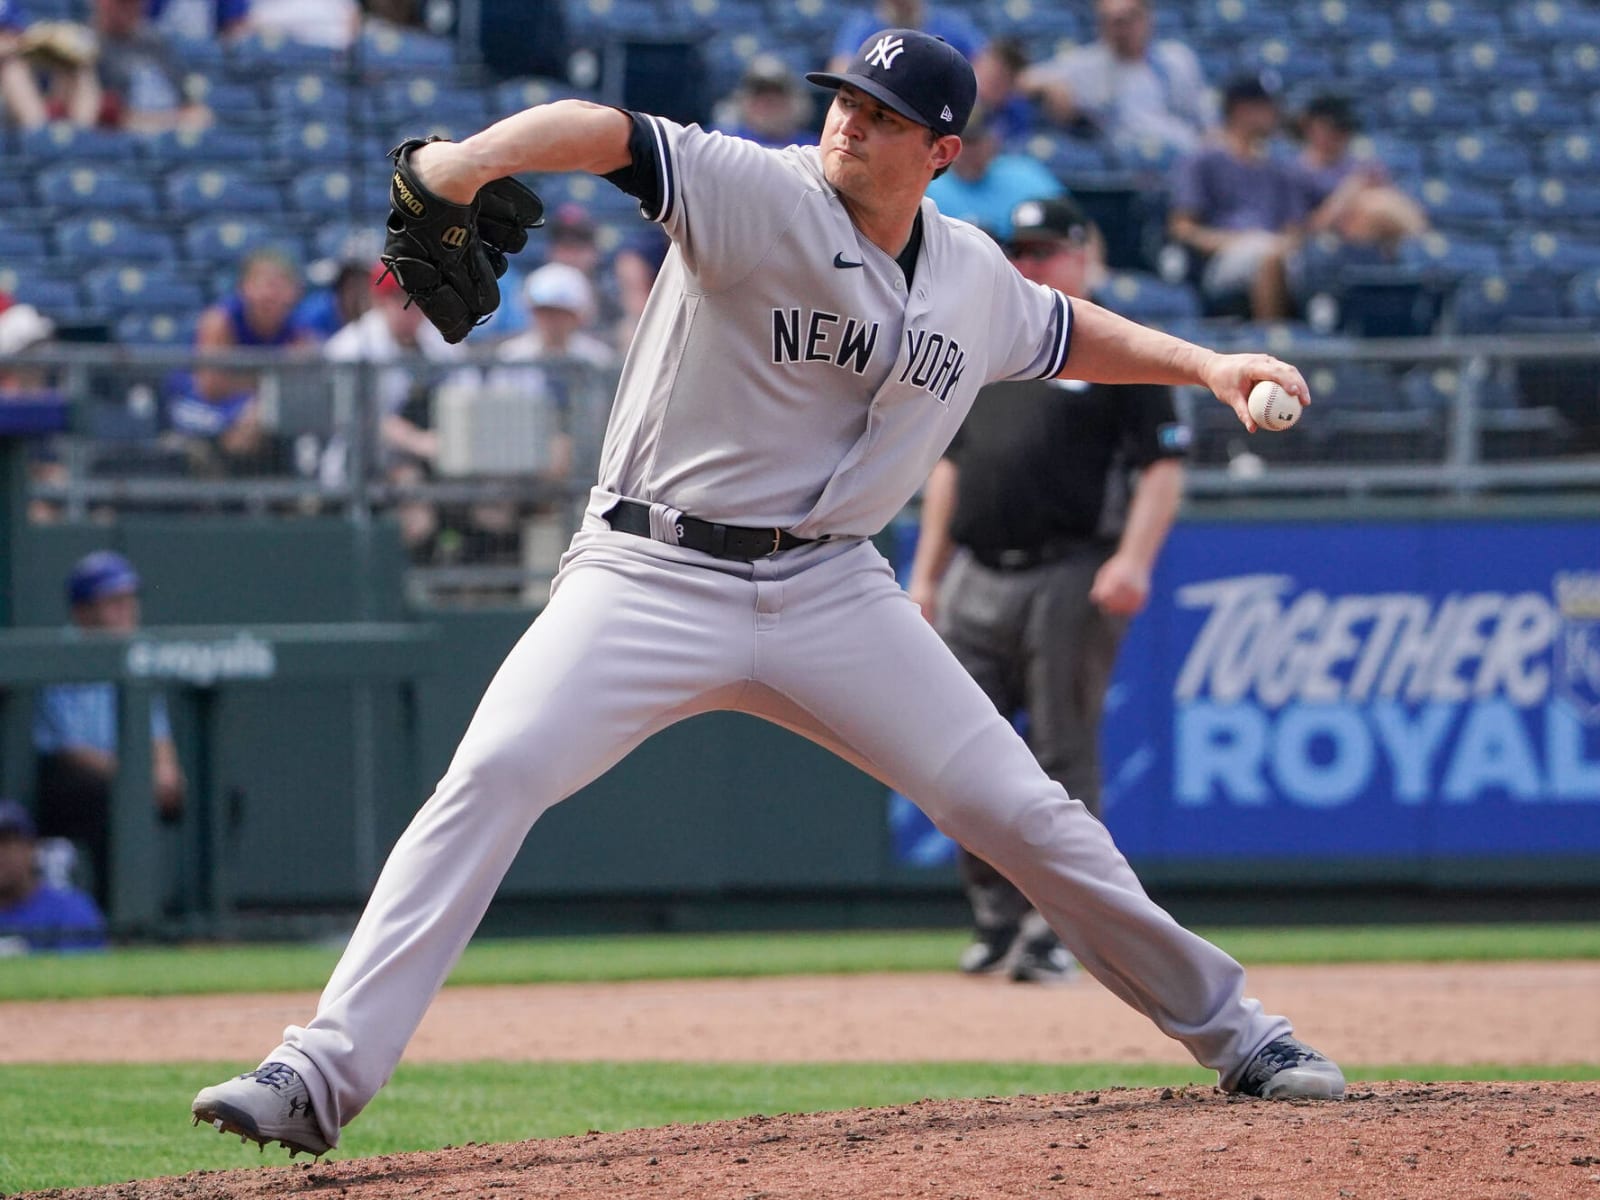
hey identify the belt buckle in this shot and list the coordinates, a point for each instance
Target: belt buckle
(777, 543)
(1014, 560)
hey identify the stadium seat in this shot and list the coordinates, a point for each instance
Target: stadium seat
(1555, 21)
(1401, 157)
(156, 328)
(1484, 64)
(1146, 156)
(1577, 64)
(314, 143)
(387, 50)
(270, 53)
(1068, 156)
(1539, 249)
(1040, 24)
(16, 191)
(214, 241)
(1583, 295)
(1387, 301)
(1442, 20)
(1487, 304)
(1534, 110)
(1351, 385)
(238, 104)
(1457, 203)
(201, 191)
(326, 192)
(1141, 296)
(219, 144)
(1572, 154)
(109, 237)
(61, 142)
(1241, 19)
(1446, 257)
(1424, 109)
(1542, 198)
(24, 243)
(1335, 20)
(53, 296)
(310, 95)
(422, 98)
(206, 54)
(1481, 158)
(1383, 63)
(95, 188)
(121, 288)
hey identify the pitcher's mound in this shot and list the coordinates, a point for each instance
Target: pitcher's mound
(1386, 1141)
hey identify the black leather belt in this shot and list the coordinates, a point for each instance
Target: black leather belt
(1028, 557)
(708, 537)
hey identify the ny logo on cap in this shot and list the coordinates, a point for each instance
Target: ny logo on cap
(885, 52)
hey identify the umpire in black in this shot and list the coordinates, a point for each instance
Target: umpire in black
(1040, 528)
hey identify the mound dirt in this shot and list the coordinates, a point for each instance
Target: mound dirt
(1388, 1141)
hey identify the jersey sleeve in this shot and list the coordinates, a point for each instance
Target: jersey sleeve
(1030, 327)
(722, 200)
(1151, 430)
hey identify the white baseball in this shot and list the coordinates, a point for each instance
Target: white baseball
(1271, 407)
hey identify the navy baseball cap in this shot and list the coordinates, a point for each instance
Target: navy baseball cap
(923, 78)
(15, 819)
(101, 574)
(1053, 219)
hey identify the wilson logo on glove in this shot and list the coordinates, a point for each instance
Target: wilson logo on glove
(404, 195)
(455, 237)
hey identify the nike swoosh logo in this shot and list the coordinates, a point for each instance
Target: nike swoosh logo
(843, 263)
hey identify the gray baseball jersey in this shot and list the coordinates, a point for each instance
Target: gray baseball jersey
(781, 374)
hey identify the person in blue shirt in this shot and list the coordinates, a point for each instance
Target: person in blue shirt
(984, 184)
(75, 725)
(34, 914)
(948, 25)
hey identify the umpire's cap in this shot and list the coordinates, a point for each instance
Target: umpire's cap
(923, 78)
(101, 574)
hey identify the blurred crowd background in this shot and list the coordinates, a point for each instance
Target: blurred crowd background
(1404, 199)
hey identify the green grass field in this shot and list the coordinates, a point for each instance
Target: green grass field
(63, 1126)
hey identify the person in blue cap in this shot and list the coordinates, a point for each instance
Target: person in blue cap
(36, 914)
(75, 725)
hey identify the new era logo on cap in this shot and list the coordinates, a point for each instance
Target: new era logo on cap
(921, 77)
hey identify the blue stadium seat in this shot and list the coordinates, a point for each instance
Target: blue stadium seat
(16, 191)
(1241, 19)
(1068, 156)
(1542, 198)
(215, 240)
(1484, 64)
(1449, 202)
(1555, 21)
(1449, 257)
(1147, 156)
(810, 20)
(113, 238)
(61, 142)
(326, 192)
(422, 98)
(1289, 56)
(1481, 158)
(1387, 301)
(1442, 20)
(1487, 304)
(206, 54)
(1383, 63)
(24, 243)
(1577, 64)
(1336, 20)
(95, 187)
(1575, 153)
(156, 328)
(1141, 296)
(310, 95)
(121, 288)
(314, 143)
(238, 104)
(1538, 249)
(1402, 157)
(1583, 295)
(385, 49)
(221, 143)
(1534, 109)
(1425, 109)
(269, 53)
(53, 296)
(1351, 385)
(514, 95)
(1039, 24)
(202, 191)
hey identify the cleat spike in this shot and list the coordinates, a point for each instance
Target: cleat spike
(196, 1117)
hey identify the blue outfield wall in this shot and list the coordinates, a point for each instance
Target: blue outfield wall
(1399, 694)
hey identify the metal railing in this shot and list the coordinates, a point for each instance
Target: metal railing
(493, 490)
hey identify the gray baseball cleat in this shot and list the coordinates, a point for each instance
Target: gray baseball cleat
(269, 1104)
(1287, 1069)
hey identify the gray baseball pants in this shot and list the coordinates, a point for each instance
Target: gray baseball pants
(822, 640)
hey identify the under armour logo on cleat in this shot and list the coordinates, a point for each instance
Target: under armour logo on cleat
(885, 52)
(843, 263)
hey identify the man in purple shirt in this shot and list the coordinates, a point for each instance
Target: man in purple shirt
(1239, 208)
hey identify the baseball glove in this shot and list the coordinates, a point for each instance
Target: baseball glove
(448, 257)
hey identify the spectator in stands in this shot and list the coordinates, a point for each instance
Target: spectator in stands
(561, 303)
(24, 328)
(343, 285)
(389, 332)
(222, 408)
(570, 237)
(35, 914)
(950, 24)
(1125, 85)
(333, 24)
(47, 69)
(999, 67)
(634, 268)
(201, 20)
(770, 107)
(1239, 208)
(984, 184)
(75, 725)
(1353, 198)
(142, 83)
